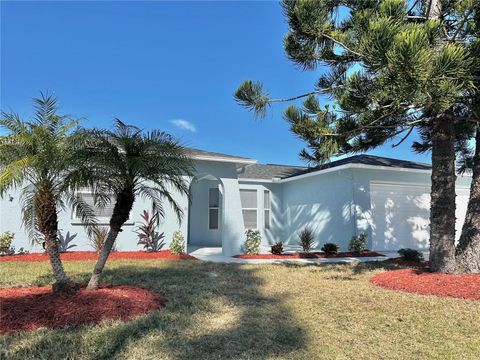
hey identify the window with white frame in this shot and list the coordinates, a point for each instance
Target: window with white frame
(266, 208)
(102, 212)
(248, 198)
(213, 208)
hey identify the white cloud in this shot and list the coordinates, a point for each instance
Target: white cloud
(184, 124)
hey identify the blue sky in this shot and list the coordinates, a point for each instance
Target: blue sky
(165, 65)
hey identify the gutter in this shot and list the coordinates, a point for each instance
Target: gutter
(222, 159)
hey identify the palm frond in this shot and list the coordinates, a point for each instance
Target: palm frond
(29, 213)
(83, 211)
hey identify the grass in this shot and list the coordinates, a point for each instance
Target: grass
(231, 311)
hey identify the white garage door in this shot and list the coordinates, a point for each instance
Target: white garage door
(400, 215)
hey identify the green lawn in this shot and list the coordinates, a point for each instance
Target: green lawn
(229, 311)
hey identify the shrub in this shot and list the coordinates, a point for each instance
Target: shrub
(330, 248)
(64, 241)
(177, 246)
(22, 251)
(277, 248)
(148, 235)
(411, 255)
(306, 239)
(6, 240)
(98, 238)
(253, 241)
(358, 243)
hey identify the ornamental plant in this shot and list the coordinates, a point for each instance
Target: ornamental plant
(306, 238)
(358, 243)
(411, 255)
(177, 246)
(65, 241)
(330, 248)
(6, 240)
(252, 243)
(277, 248)
(147, 233)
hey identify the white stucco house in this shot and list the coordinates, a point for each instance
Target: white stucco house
(387, 198)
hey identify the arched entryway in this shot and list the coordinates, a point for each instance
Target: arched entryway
(206, 212)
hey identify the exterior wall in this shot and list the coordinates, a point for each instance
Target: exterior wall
(336, 205)
(277, 224)
(10, 220)
(363, 210)
(10, 216)
(324, 203)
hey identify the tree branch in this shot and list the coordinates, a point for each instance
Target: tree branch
(404, 138)
(342, 45)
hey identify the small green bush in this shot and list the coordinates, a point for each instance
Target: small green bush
(277, 248)
(177, 246)
(306, 238)
(22, 251)
(6, 240)
(411, 255)
(330, 248)
(358, 243)
(253, 241)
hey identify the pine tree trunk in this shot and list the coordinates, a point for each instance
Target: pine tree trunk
(442, 210)
(468, 248)
(48, 226)
(121, 212)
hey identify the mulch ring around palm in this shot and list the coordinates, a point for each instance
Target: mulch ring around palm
(311, 255)
(27, 309)
(91, 255)
(422, 282)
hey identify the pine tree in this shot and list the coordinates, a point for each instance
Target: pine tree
(393, 67)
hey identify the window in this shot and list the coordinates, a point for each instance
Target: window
(249, 208)
(99, 211)
(213, 208)
(266, 208)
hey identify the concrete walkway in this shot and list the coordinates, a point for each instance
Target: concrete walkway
(214, 254)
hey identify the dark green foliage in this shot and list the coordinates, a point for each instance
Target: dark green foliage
(277, 248)
(330, 248)
(411, 255)
(386, 67)
(64, 242)
(306, 239)
(358, 243)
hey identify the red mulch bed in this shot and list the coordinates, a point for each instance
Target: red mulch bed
(91, 255)
(27, 309)
(312, 255)
(426, 283)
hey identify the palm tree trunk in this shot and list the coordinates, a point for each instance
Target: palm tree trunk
(442, 210)
(468, 248)
(102, 260)
(48, 226)
(121, 212)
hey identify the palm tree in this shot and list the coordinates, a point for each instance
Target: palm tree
(35, 156)
(126, 163)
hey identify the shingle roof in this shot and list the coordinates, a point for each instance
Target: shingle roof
(368, 160)
(269, 171)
